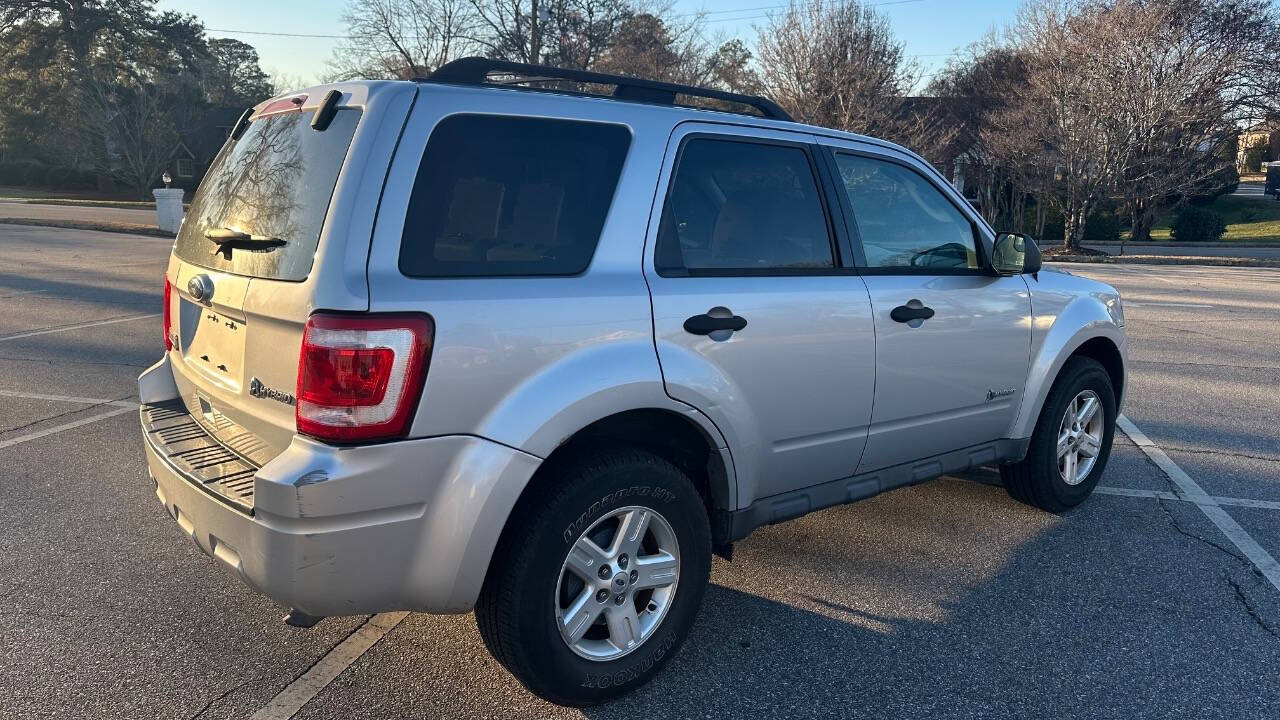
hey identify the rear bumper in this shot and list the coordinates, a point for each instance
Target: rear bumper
(407, 525)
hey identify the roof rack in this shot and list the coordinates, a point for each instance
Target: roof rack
(476, 70)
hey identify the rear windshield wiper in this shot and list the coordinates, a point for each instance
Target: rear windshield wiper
(226, 238)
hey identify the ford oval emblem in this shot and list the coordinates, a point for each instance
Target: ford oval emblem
(200, 288)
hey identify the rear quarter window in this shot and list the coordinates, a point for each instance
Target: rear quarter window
(274, 182)
(507, 196)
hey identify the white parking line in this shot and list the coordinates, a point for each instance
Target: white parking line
(68, 398)
(78, 326)
(290, 700)
(1191, 490)
(309, 684)
(10, 442)
(1167, 304)
(1166, 495)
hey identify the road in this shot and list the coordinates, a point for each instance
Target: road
(945, 600)
(1250, 189)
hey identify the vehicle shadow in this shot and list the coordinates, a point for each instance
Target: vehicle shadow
(118, 293)
(1107, 613)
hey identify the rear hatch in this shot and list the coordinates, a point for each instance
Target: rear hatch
(259, 251)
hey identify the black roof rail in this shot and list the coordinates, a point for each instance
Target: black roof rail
(476, 70)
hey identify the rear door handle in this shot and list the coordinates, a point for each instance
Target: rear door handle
(913, 310)
(706, 324)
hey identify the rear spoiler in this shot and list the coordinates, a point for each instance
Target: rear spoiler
(319, 121)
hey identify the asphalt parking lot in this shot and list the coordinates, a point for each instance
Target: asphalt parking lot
(942, 600)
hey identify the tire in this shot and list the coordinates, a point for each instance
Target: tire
(530, 581)
(1039, 478)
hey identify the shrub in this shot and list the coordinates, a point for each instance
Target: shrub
(89, 180)
(1102, 227)
(1052, 231)
(1197, 224)
(1223, 182)
(69, 177)
(22, 172)
(33, 175)
(57, 177)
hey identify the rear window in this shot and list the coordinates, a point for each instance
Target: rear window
(275, 182)
(506, 196)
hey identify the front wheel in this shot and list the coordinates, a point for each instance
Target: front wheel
(1071, 442)
(597, 580)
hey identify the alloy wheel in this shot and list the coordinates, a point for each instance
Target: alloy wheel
(617, 583)
(1080, 437)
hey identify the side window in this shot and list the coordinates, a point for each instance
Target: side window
(903, 221)
(509, 196)
(742, 206)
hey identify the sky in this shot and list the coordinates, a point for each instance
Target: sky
(930, 29)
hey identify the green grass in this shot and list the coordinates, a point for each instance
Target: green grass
(13, 192)
(1248, 219)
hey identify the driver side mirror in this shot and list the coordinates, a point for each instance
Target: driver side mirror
(1014, 254)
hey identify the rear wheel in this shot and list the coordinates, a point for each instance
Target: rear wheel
(597, 580)
(1071, 442)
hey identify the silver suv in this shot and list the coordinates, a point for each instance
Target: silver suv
(458, 344)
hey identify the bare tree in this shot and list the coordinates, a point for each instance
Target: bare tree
(1190, 75)
(662, 46)
(836, 63)
(1067, 125)
(283, 82)
(133, 123)
(400, 39)
(1250, 28)
(730, 68)
(1086, 137)
(565, 33)
(1000, 170)
(405, 38)
(580, 31)
(512, 29)
(646, 48)
(1089, 101)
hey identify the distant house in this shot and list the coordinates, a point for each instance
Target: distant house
(199, 144)
(1266, 132)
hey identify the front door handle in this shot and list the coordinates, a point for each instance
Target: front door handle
(913, 310)
(706, 324)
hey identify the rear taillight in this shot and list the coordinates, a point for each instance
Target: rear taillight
(360, 376)
(168, 316)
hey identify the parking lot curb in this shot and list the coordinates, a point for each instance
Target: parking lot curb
(1165, 260)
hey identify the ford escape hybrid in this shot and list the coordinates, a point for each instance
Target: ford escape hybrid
(516, 348)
